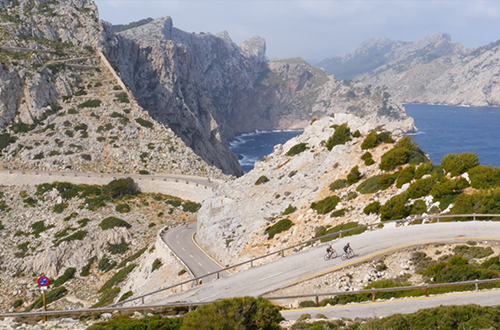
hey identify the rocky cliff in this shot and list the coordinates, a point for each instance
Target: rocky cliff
(284, 187)
(62, 106)
(431, 70)
(207, 88)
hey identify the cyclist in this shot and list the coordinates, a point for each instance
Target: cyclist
(329, 249)
(346, 250)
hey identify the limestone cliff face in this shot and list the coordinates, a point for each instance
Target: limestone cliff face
(430, 70)
(233, 223)
(207, 88)
(61, 105)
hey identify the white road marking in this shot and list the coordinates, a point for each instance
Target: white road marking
(273, 275)
(200, 264)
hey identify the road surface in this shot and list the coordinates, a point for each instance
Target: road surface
(309, 263)
(180, 241)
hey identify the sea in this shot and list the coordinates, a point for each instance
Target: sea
(442, 129)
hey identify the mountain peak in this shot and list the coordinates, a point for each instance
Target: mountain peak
(255, 46)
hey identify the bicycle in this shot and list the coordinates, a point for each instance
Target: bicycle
(330, 255)
(348, 255)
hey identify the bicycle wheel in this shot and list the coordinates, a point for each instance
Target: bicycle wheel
(333, 255)
(343, 256)
(351, 253)
(327, 257)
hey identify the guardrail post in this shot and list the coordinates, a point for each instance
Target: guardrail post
(477, 288)
(373, 294)
(251, 263)
(217, 275)
(474, 217)
(427, 291)
(142, 299)
(340, 233)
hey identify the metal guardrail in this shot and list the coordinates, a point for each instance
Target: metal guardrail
(190, 305)
(374, 291)
(196, 280)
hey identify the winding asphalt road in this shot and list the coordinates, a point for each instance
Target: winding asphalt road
(309, 263)
(181, 241)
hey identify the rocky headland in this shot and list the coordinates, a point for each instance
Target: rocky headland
(430, 70)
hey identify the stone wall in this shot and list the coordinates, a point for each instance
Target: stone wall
(186, 187)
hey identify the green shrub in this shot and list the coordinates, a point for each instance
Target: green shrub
(107, 297)
(373, 139)
(146, 323)
(132, 257)
(356, 134)
(235, 313)
(325, 205)
(322, 231)
(39, 227)
(117, 278)
(119, 188)
(144, 123)
(17, 303)
(395, 208)
(484, 177)
(174, 202)
(290, 209)
(30, 201)
(143, 172)
(373, 207)
(353, 176)
(90, 104)
(338, 213)
(126, 295)
(191, 207)
(122, 97)
(376, 183)
(122, 208)
(119, 248)
(475, 252)
(181, 272)
(405, 176)
(76, 236)
(262, 179)
(368, 158)
(338, 184)
(423, 169)
(278, 227)
(297, 149)
(59, 208)
(50, 297)
(421, 187)
(394, 158)
(449, 187)
(5, 140)
(112, 222)
(69, 273)
(341, 135)
(106, 264)
(386, 180)
(307, 303)
(156, 265)
(86, 269)
(456, 164)
(418, 207)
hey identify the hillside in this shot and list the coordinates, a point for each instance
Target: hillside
(81, 236)
(341, 172)
(63, 107)
(430, 70)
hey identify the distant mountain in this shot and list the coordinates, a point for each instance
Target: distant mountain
(430, 70)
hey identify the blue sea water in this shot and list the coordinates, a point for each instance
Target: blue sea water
(446, 129)
(253, 146)
(442, 130)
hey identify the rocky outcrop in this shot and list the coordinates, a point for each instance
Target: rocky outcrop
(294, 182)
(64, 108)
(45, 232)
(208, 89)
(431, 70)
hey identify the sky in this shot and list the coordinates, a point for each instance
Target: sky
(317, 29)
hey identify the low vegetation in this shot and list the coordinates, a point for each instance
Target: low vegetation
(278, 227)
